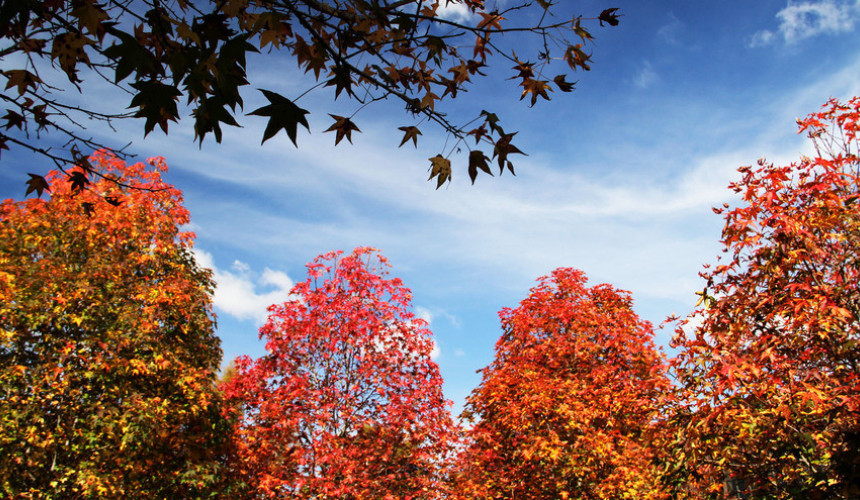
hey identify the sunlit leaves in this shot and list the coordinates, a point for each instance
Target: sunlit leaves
(107, 344)
(566, 409)
(283, 114)
(769, 366)
(440, 168)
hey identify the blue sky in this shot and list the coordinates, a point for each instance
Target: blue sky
(619, 182)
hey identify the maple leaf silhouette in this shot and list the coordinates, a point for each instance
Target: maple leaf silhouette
(283, 114)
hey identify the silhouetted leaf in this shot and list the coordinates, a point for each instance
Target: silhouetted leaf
(502, 149)
(79, 181)
(563, 84)
(610, 16)
(410, 133)
(283, 114)
(38, 184)
(157, 103)
(478, 160)
(343, 126)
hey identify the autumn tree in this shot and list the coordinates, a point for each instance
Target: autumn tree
(347, 403)
(413, 52)
(107, 345)
(565, 408)
(771, 372)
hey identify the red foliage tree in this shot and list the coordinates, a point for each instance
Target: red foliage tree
(771, 375)
(347, 403)
(565, 409)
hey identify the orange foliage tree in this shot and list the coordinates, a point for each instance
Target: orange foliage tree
(107, 344)
(347, 403)
(565, 409)
(772, 375)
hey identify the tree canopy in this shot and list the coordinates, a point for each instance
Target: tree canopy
(348, 402)
(770, 375)
(162, 53)
(108, 352)
(565, 408)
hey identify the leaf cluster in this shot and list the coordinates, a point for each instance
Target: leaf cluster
(197, 54)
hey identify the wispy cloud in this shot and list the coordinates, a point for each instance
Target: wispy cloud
(243, 294)
(645, 76)
(669, 31)
(801, 20)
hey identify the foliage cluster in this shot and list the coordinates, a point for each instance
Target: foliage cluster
(160, 52)
(109, 357)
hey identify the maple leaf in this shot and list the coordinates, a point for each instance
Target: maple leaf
(343, 126)
(283, 114)
(563, 84)
(156, 102)
(493, 121)
(410, 132)
(89, 208)
(78, 181)
(525, 70)
(610, 16)
(131, 57)
(22, 79)
(13, 119)
(490, 20)
(440, 167)
(535, 88)
(429, 100)
(38, 184)
(576, 57)
(341, 80)
(478, 160)
(68, 49)
(209, 115)
(479, 133)
(502, 149)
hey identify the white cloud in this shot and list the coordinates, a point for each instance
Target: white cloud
(238, 293)
(802, 20)
(762, 38)
(424, 314)
(645, 76)
(435, 352)
(456, 12)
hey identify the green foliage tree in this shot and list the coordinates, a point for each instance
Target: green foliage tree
(161, 52)
(566, 409)
(771, 376)
(107, 345)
